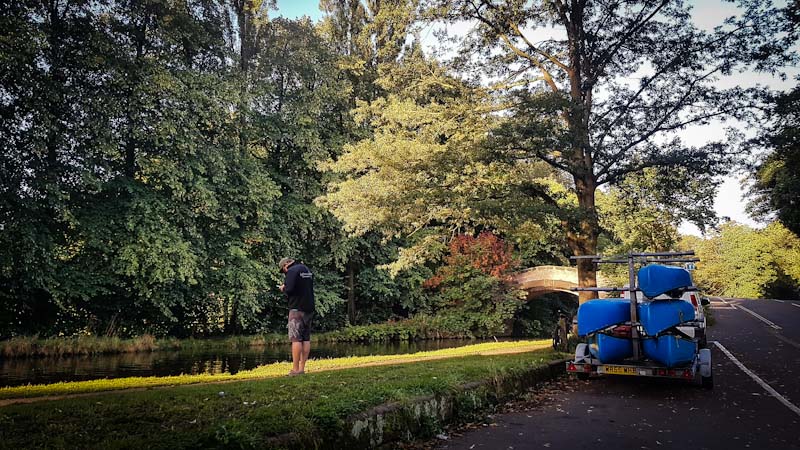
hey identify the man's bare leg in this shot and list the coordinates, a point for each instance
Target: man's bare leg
(297, 357)
(304, 355)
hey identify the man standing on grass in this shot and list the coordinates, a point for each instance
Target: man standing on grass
(299, 289)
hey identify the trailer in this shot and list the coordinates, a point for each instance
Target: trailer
(698, 371)
(656, 330)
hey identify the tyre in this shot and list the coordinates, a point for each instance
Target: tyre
(704, 368)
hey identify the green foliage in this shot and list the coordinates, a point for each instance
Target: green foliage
(643, 213)
(738, 261)
(473, 294)
(157, 158)
(407, 330)
(776, 187)
(423, 175)
(538, 317)
(563, 72)
(152, 182)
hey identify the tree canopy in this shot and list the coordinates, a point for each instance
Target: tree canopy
(600, 90)
(776, 179)
(158, 157)
(739, 261)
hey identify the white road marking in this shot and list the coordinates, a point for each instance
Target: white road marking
(779, 301)
(758, 380)
(759, 317)
(796, 304)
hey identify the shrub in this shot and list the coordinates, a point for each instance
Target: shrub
(474, 296)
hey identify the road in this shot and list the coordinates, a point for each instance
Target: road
(635, 413)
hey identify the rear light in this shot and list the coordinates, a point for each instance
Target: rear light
(662, 372)
(587, 368)
(572, 368)
(687, 373)
(694, 300)
(671, 373)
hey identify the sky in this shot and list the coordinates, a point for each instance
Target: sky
(293, 9)
(731, 198)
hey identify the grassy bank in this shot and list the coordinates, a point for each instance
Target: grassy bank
(249, 413)
(266, 371)
(410, 330)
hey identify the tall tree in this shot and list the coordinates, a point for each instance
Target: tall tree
(167, 232)
(739, 261)
(49, 113)
(129, 200)
(369, 37)
(776, 187)
(568, 67)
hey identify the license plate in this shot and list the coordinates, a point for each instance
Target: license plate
(619, 370)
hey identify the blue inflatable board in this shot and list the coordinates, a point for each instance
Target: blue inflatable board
(609, 349)
(655, 279)
(595, 315)
(670, 350)
(660, 315)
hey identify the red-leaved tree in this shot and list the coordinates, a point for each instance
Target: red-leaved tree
(487, 253)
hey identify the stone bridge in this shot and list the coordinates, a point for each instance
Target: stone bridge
(542, 280)
(546, 279)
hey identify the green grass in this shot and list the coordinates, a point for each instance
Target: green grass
(265, 371)
(249, 413)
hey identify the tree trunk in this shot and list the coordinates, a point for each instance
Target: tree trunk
(225, 315)
(351, 293)
(582, 237)
(233, 322)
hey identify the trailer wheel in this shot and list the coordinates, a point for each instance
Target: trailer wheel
(704, 368)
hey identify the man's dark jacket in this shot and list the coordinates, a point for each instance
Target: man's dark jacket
(299, 287)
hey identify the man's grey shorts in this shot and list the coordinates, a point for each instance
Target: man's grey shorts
(300, 325)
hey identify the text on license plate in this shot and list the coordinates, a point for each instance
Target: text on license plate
(619, 370)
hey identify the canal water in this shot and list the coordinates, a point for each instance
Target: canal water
(21, 371)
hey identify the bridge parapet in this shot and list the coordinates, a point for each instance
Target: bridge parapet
(546, 279)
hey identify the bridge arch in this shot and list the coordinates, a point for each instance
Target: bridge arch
(541, 280)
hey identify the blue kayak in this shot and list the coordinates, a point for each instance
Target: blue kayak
(655, 279)
(661, 315)
(670, 350)
(609, 349)
(596, 315)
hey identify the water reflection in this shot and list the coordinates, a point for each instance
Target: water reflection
(19, 371)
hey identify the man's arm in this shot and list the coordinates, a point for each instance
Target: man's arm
(290, 282)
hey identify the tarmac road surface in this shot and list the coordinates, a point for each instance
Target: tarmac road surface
(641, 413)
